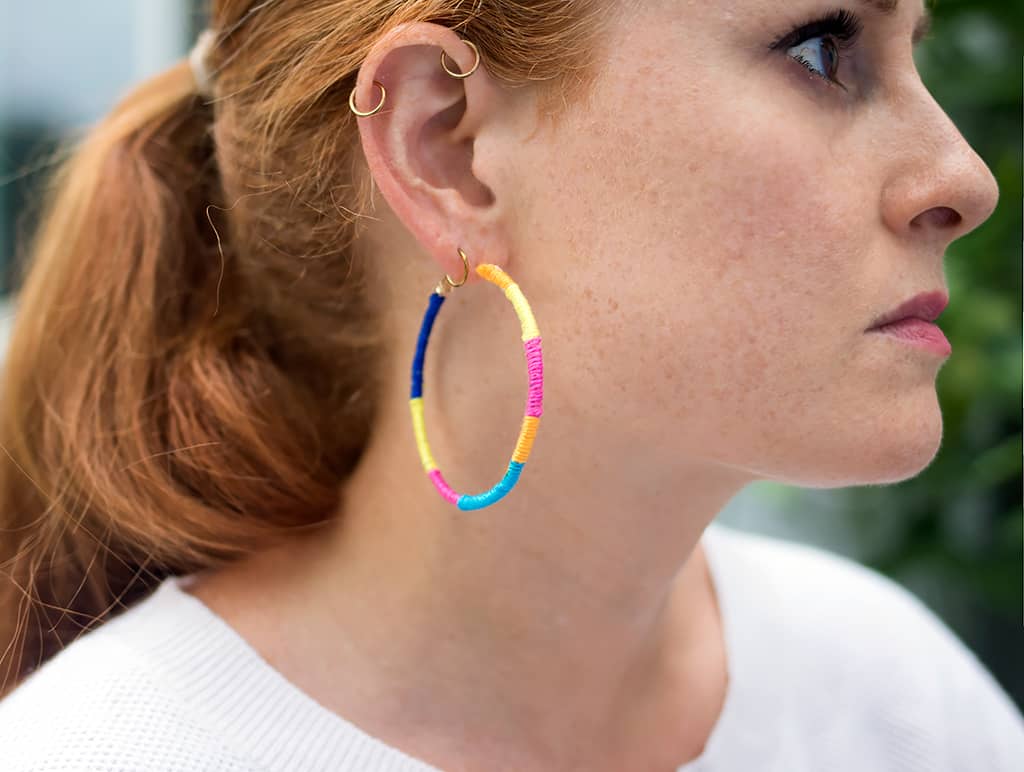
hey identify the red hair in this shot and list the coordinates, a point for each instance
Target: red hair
(192, 367)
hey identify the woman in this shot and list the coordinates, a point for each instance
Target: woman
(706, 209)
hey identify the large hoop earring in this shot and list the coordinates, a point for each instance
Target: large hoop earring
(471, 69)
(534, 401)
(352, 101)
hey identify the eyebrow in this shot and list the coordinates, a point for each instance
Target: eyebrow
(888, 8)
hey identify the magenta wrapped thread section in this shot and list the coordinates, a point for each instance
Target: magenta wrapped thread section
(535, 369)
(443, 487)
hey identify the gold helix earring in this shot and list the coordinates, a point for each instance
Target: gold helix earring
(383, 93)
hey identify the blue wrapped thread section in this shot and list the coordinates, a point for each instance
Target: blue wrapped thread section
(421, 344)
(497, 493)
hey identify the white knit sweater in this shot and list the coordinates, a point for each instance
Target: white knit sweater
(833, 668)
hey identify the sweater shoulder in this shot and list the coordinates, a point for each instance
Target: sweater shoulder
(831, 606)
(860, 645)
(828, 589)
(101, 704)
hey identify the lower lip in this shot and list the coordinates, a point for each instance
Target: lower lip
(918, 332)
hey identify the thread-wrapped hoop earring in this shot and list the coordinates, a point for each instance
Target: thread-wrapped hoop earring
(534, 401)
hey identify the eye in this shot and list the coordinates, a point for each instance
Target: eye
(821, 58)
(818, 45)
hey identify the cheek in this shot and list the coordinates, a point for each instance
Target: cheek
(716, 258)
(730, 245)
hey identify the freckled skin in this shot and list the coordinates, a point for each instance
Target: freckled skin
(703, 247)
(750, 227)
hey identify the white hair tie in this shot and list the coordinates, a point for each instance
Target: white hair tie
(198, 61)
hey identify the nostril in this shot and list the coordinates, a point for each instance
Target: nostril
(938, 216)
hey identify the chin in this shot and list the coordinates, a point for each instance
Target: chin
(890, 455)
(904, 441)
(895, 457)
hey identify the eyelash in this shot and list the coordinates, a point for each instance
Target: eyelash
(842, 27)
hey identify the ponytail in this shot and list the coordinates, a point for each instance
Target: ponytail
(196, 355)
(145, 427)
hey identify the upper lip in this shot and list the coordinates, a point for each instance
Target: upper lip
(925, 305)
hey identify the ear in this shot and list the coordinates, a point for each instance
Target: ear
(420, 145)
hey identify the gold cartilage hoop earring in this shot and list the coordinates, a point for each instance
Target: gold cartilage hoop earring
(471, 70)
(383, 92)
(352, 101)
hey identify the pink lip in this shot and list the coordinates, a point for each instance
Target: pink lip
(918, 332)
(924, 305)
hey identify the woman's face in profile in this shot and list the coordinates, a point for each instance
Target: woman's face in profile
(741, 202)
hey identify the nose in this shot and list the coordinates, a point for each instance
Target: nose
(940, 189)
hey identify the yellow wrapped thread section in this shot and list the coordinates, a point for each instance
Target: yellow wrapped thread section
(526, 320)
(515, 296)
(426, 458)
(526, 435)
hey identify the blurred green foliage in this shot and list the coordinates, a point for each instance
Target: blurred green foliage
(955, 533)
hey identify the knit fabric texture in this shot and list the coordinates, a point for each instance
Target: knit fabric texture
(832, 668)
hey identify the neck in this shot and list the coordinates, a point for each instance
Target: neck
(584, 588)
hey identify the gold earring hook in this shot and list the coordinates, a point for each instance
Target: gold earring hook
(447, 283)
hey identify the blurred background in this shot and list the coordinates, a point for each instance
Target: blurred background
(954, 535)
